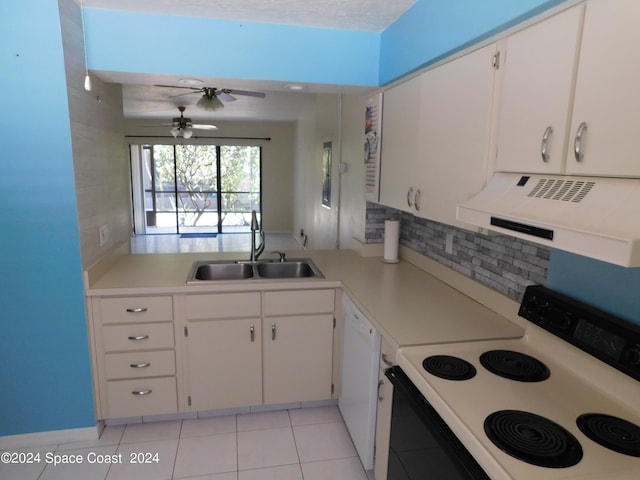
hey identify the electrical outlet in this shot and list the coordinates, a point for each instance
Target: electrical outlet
(103, 233)
(448, 245)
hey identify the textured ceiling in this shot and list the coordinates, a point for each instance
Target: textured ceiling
(366, 15)
(142, 100)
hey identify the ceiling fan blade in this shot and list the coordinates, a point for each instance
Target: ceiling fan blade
(247, 93)
(176, 86)
(204, 127)
(225, 97)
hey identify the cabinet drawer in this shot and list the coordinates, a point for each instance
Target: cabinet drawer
(223, 305)
(293, 302)
(146, 336)
(136, 309)
(149, 396)
(140, 364)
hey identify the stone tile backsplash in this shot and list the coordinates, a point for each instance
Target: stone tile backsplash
(501, 262)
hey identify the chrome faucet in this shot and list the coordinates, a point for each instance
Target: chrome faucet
(256, 252)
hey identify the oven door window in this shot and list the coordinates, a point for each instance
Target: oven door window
(422, 446)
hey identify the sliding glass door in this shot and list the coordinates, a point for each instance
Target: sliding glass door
(195, 189)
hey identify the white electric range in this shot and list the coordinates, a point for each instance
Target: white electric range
(530, 408)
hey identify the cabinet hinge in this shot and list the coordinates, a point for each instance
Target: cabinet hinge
(334, 322)
(186, 331)
(189, 400)
(496, 61)
(332, 388)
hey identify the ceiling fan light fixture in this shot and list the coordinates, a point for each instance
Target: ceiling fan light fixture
(187, 132)
(209, 104)
(190, 81)
(175, 131)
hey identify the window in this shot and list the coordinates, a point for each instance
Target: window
(195, 188)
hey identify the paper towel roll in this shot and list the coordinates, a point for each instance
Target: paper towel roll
(391, 238)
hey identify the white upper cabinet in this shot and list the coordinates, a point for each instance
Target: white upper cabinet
(569, 98)
(607, 98)
(455, 133)
(535, 99)
(400, 145)
(435, 137)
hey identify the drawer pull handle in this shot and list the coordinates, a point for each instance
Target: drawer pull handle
(386, 361)
(273, 331)
(137, 338)
(137, 310)
(140, 365)
(545, 144)
(252, 332)
(141, 392)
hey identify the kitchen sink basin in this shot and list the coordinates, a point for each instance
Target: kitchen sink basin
(225, 270)
(291, 269)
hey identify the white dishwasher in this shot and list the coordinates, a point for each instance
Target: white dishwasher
(358, 398)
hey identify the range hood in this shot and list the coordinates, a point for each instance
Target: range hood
(592, 216)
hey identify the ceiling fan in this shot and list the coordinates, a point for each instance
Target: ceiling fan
(183, 126)
(212, 97)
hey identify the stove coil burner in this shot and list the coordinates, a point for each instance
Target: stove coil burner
(514, 365)
(533, 439)
(611, 432)
(448, 367)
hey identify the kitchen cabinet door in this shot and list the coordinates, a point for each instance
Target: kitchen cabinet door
(606, 98)
(298, 353)
(224, 363)
(455, 128)
(399, 177)
(535, 96)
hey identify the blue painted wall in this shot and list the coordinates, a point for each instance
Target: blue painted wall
(45, 380)
(604, 285)
(136, 42)
(433, 29)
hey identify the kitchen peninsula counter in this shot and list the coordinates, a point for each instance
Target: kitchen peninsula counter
(407, 304)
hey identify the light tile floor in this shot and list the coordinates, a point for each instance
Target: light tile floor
(296, 444)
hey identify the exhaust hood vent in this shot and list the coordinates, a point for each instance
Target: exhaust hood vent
(563, 190)
(597, 217)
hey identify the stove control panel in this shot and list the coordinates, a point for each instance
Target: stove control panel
(609, 338)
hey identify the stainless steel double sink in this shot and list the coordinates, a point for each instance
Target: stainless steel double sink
(209, 271)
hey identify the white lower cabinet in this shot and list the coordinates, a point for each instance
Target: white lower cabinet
(134, 352)
(224, 363)
(277, 349)
(297, 358)
(383, 416)
(164, 354)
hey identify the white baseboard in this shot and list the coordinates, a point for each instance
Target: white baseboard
(50, 438)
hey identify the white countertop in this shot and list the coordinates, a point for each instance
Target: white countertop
(407, 304)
